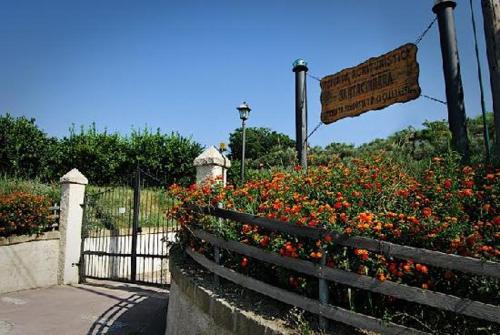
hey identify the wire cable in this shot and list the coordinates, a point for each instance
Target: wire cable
(434, 99)
(421, 37)
(314, 130)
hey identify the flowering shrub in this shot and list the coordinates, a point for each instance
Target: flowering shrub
(23, 213)
(445, 207)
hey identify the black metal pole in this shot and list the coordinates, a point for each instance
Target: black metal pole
(243, 135)
(300, 69)
(451, 68)
(135, 225)
(491, 18)
(481, 89)
(81, 266)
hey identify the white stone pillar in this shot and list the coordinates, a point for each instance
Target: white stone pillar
(70, 225)
(211, 164)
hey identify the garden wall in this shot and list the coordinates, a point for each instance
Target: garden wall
(197, 307)
(28, 262)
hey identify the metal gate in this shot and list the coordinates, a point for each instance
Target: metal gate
(126, 234)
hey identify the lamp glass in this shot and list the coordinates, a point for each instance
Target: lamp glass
(243, 113)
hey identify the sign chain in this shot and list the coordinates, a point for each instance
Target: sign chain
(421, 37)
(314, 77)
(434, 99)
(314, 130)
(418, 40)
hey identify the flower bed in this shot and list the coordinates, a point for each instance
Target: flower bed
(23, 213)
(446, 207)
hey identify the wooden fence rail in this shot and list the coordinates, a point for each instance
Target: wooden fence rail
(310, 305)
(430, 257)
(412, 294)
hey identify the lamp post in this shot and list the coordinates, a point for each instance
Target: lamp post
(244, 111)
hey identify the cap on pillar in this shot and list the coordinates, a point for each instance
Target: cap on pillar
(211, 164)
(439, 4)
(299, 65)
(74, 177)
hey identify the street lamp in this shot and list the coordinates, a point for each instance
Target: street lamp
(244, 111)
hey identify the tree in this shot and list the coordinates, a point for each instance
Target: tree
(100, 156)
(25, 150)
(168, 158)
(259, 142)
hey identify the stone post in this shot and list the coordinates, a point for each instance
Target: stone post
(70, 225)
(211, 164)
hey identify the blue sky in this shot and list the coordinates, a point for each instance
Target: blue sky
(185, 65)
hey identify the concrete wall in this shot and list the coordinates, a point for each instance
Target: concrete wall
(185, 317)
(28, 262)
(194, 309)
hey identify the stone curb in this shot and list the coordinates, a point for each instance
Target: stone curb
(11, 240)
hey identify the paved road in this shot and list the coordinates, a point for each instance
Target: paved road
(107, 308)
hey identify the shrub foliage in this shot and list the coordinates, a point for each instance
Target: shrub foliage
(440, 205)
(104, 158)
(23, 214)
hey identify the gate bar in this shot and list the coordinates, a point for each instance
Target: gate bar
(135, 224)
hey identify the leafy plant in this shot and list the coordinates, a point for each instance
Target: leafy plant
(23, 213)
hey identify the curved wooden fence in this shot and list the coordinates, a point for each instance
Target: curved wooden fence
(430, 298)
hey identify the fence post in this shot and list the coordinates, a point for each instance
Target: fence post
(324, 294)
(70, 226)
(212, 164)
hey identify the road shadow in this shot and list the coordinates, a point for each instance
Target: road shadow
(143, 312)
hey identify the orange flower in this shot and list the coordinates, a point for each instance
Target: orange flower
(421, 268)
(316, 255)
(361, 253)
(467, 192)
(426, 212)
(365, 217)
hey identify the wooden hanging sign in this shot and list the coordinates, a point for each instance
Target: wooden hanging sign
(375, 84)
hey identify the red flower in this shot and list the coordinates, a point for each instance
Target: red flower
(264, 242)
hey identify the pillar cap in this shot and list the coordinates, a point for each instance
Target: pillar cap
(74, 177)
(212, 156)
(300, 65)
(440, 4)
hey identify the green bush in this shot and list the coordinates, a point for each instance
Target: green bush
(23, 214)
(168, 158)
(51, 191)
(104, 158)
(101, 157)
(25, 150)
(259, 142)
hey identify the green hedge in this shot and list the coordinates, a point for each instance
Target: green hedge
(104, 158)
(23, 214)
